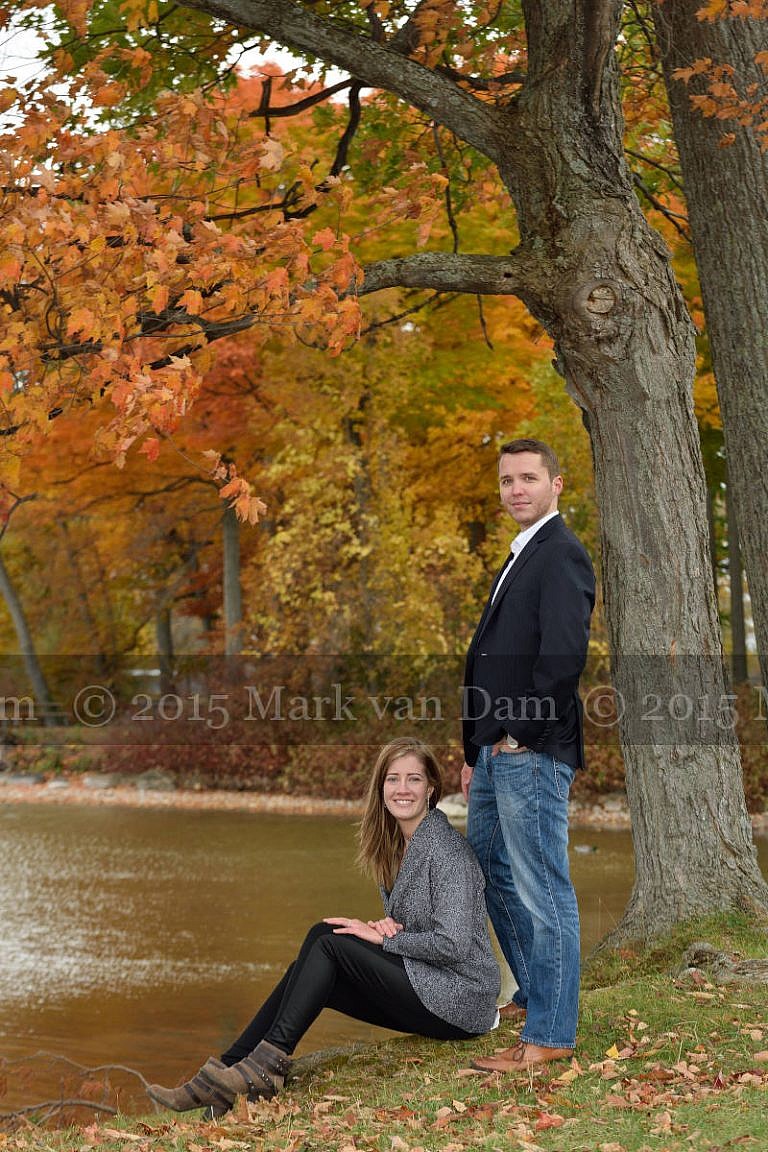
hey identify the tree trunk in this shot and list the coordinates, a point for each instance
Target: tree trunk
(82, 599)
(736, 586)
(233, 607)
(164, 637)
(44, 705)
(727, 193)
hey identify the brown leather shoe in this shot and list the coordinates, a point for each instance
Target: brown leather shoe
(521, 1058)
(511, 1011)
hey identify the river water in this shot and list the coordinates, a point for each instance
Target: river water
(148, 938)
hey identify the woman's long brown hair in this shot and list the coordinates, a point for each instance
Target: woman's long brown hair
(381, 841)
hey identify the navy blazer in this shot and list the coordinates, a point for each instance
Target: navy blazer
(529, 649)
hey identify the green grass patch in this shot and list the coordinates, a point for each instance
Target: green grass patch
(732, 932)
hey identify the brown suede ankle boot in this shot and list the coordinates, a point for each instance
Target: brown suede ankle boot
(260, 1074)
(199, 1092)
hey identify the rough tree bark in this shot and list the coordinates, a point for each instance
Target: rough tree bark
(727, 193)
(595, 275)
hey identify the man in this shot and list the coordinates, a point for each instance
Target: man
(522, 745)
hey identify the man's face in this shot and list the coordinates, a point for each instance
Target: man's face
(525, 487)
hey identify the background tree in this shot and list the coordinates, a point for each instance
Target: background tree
(715, 63)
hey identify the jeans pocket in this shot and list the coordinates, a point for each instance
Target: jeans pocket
(564, 774)
(514, 780)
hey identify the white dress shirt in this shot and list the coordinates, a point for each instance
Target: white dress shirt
(518, 544)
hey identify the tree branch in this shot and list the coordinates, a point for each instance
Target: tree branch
(677, 221)
(448, 272)
(53, 1106)
(342, 149)
(483, 83)
(273, 111)
(373, 65)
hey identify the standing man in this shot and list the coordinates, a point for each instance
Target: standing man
(523, 742)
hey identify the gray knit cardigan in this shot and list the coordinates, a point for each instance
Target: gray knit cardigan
(439, 898)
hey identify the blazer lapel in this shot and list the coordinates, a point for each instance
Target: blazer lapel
(517, 567)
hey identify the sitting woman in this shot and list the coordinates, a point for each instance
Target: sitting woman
(425, 968)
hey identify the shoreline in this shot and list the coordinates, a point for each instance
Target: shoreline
(188, 799)
(611, 814)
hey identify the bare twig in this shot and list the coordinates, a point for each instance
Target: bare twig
(674, 218)
(54, 1106)
(483, 324)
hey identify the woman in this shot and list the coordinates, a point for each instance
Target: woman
(426, 967)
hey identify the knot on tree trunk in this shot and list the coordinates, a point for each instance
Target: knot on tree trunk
(597, 298)
(720, 968)
(599, 307)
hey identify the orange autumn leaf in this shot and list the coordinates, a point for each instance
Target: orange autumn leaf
(81, 320)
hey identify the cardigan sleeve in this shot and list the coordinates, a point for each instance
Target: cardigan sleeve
(453, 892)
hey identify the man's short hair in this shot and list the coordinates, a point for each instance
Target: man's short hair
(527, 444)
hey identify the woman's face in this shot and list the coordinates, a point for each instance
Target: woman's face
(407, 791)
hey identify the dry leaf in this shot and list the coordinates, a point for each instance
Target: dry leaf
(567, 1077)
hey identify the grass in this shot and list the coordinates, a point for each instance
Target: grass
(664, 1065)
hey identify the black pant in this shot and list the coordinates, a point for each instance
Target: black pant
(348, 974)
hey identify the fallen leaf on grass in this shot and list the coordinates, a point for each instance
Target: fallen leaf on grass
(613, 1052)
(401, 1113)
(662, 1075)
(686, 1071)
(484, 1111)
(548, 1120)
(663, 1123)
(459, 1106)
(567, 1077)
(117, 1134)
(761, 1056)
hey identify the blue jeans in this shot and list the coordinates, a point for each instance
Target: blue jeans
(518, 826)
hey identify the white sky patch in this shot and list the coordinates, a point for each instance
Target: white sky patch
(253, 59)
(18, 54)
(19, 61)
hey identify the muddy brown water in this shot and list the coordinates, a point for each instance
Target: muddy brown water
(147, 938)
